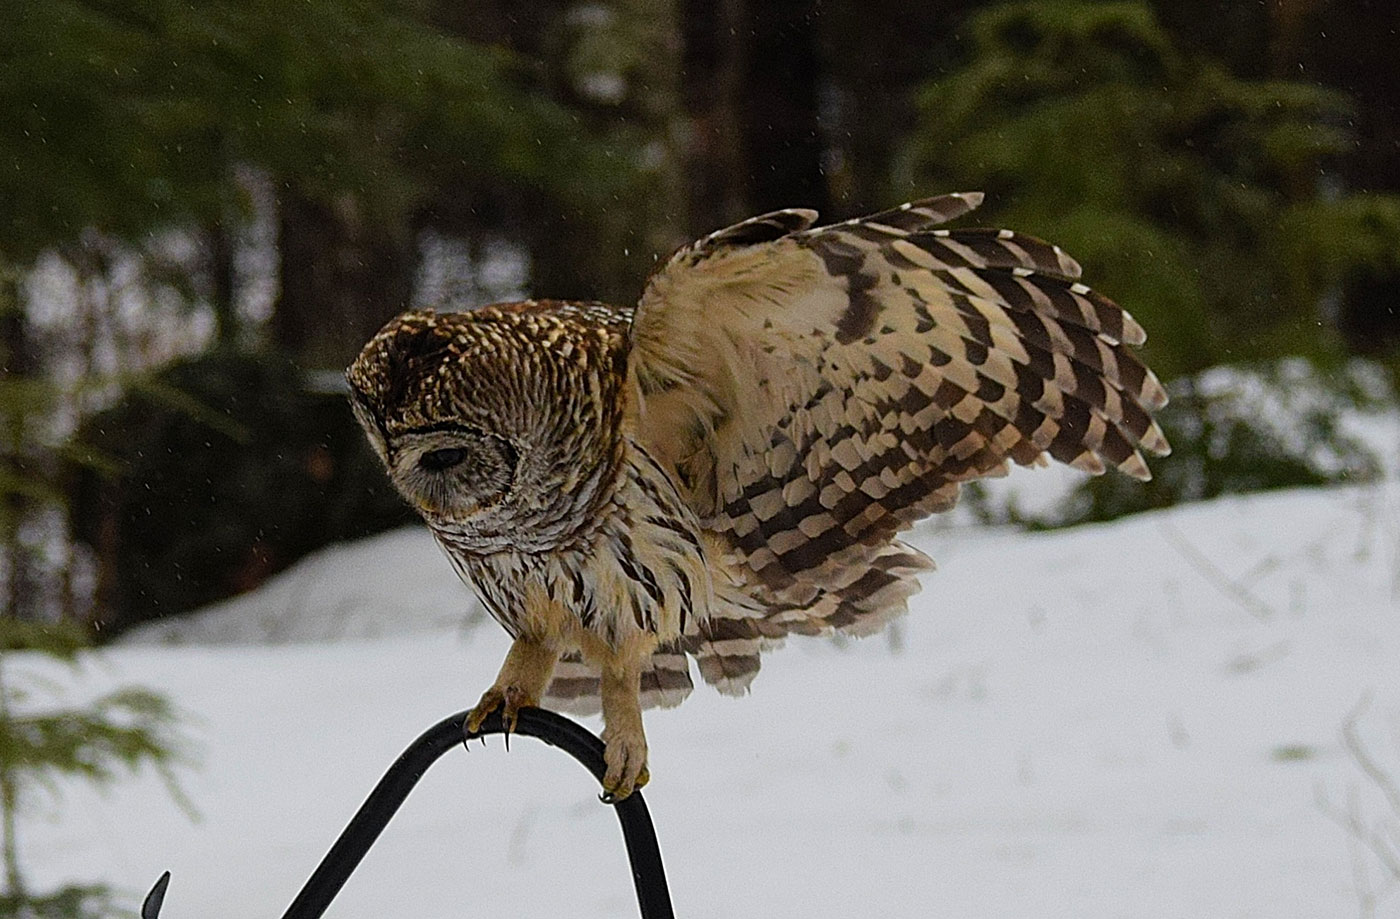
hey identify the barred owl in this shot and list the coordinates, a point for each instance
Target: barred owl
(731, 462)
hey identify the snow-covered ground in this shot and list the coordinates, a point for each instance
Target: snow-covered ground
(1132, 720)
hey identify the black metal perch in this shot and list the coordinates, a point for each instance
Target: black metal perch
(653, 897)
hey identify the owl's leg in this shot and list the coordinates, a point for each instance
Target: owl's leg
(520, 684)
(626, 743)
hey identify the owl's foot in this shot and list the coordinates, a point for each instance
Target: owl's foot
(625, 755)
(625, 743)
(521, 682)
(510, 699)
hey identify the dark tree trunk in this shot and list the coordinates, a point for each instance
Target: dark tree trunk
(222, 291)
(1350, 45)
(878, 55)
(751, 77)
(782, 123)
(581, 252)
(343, 276)
(712, 78)
(16, 366)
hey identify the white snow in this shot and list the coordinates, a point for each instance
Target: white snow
(1128, 720)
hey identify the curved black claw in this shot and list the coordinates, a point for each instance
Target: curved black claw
(150, 907)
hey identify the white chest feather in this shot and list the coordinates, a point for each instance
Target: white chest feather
(641, 569)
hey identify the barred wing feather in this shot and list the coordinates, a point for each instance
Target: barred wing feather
(818, 390)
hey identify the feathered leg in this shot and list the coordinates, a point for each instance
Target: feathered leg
(626, 753)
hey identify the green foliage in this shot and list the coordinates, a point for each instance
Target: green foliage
(1196, 198)
(232, 468)
(62, 640)
(1189, 194)
(119, 731)
(42, 741)
(1349, 241)
(72, 902)
(126, 115)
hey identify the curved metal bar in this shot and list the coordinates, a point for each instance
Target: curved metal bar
(648, 875)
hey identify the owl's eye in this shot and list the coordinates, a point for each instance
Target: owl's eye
(446, 458)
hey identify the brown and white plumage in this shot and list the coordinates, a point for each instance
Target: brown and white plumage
(732, 462)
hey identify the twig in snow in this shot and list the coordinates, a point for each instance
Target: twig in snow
(1378, 837)
(1227, 585)
(1351, 739)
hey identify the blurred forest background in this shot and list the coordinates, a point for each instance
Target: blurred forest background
(206, 208)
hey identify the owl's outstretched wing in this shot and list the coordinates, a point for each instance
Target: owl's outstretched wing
(819, 389)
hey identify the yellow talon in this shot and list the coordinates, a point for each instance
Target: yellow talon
(490, 701)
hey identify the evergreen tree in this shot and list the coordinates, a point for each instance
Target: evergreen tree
(1206, 203)
(1199, 199)
(137, 116)
(39, 744)
(134, 127)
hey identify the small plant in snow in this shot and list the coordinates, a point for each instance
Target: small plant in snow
(1371, 819)
(40, 744)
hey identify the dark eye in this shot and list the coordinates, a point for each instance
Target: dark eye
(438, 460)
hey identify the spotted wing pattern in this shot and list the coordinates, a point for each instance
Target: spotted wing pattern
(818, 390)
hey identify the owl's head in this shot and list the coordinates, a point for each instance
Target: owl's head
(500, 425)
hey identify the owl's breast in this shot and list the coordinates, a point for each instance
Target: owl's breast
(641, 568)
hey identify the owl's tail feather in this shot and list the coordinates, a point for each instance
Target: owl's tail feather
(576, 687)
(726, 646)
(847, 599)
(748, 618)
